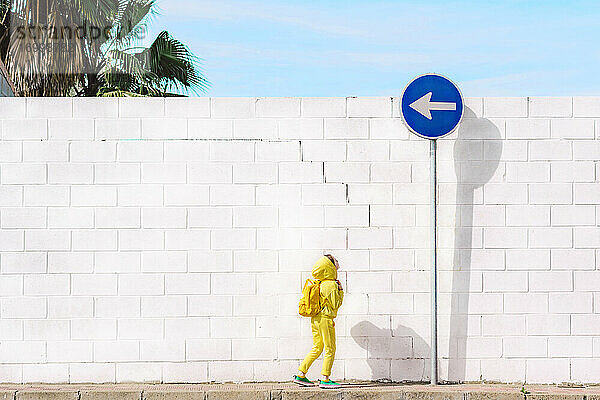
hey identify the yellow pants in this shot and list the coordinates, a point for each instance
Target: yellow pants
(323, 330)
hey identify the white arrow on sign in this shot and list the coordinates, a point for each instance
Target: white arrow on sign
(424, 105)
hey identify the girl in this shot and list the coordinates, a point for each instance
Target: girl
(323, 327)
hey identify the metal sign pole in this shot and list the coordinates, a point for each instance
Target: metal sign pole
(433, 227)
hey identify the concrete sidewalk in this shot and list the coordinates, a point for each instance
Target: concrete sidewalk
(276, 391)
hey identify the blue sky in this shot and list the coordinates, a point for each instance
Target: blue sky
(373, 47)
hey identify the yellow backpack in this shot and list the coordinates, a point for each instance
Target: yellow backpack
(310, 303)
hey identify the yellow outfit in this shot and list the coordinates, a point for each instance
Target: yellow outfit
(322, 325)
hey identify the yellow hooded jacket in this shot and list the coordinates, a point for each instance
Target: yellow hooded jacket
(331, 296)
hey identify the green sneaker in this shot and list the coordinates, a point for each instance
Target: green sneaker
(302, 381)
(329, 384)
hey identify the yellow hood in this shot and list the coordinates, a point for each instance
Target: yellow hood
(324, 269)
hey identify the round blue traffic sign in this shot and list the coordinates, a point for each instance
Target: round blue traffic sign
(431, 106)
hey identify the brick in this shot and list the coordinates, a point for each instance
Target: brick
(12, 151)
(505, 237)
(323, 107)
(146, 239)
(302, 216)
(70, 217)
(140, 195)
(522, 347)
(206, 173)
(368, 151)
(96, 107)
(323, 150)
(140, 329)
(163, 173)
(584, 324)
(527, 129)
(23, 174)
(253, 306)
(208, 349)
(212, 305)
(187, 107)
(573, 129)
(115, 351)
(117, 262)
(166, 306)
(29, 262)
(253, 349)
(164, 128)
(24, 129)
(401, 150)
(411, 193)
(232, 107)
(254, 129)
(68, 351)
(324, 194)
(189, 239)
(572, 171)
(547, 324)
(255, 173)
(527, 259)
(586, 193)
(369, 282)
(93, 152)
(586, 106)
(572, 215)
(47, 240)
(390, 172)
(525, 303)
(369, 106)
(249, 217)
(190, 151)
(188, 284)
(304, 128)
(210, 129)
(231, 151)
(49, 107)
(119, 173)
(94, 284)
(78, 263)
(586, 237)
(15, 106)
(231, 195)
(570, 303)
(504, 370)
(387, 128)
(554, 237)
(528, 172)
(92, 196)
(70, 307)
(550, 150)
(505, 282)
(45, 151)
(29, 217)
(116, 129)
(93, 329)
(572, 259)
(164, 218)
(346, 172)
(164, 261)
(347, 216)
(186, 328)
(503, 325)
(302, 172)
(505, 107)
(46, 330)
(277, 151)
(131, 107)
(138, 372)
(233, 239)
(186, 195)
(344, 128)
(550, 107)
(90, 240)
(550, 193)
(51, 373)
(565, 346)
(232, 327)
(367, 238)
(370, 194)
(67, 173)
(11, 240)
(210, 261)
(121, 217)
(162, 350)
(141, 284)
(277, 107)
(530, 215)
(546, 371)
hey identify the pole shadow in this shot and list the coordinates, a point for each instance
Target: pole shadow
(474, 135)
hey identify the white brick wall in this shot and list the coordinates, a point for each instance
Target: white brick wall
(168, 239)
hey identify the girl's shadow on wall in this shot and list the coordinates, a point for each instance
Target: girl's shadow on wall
(403, 355)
